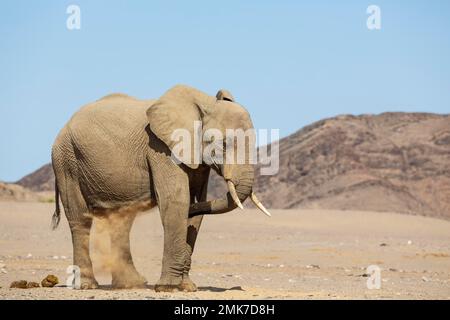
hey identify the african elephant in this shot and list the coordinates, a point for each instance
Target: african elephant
(113, 159)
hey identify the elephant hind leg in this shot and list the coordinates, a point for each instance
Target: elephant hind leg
(124, 273)
(80, 222)
(75, 208)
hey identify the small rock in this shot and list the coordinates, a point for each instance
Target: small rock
(55, 257)
(281, 265)
(21, 284)
(393, 269)
(63, 257)
(312, 266)
(50, 281)
(29, 255)
(2, 265)
(383, 244)
(425, 279)
(409, 242)
(32, 284)
(364, 275)
(291, 280)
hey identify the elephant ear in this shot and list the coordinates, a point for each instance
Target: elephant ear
(178, 109)
(224, 95)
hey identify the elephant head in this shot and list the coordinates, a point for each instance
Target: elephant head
(183, 108)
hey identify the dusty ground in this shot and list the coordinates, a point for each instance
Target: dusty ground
(296, 254)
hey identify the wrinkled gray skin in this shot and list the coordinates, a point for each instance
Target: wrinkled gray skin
(112, 160)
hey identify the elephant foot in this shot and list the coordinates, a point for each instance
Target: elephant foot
(128, 280)
(187, 285)
(87, 283)
(168, 284)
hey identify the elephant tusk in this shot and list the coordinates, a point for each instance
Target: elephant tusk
(234, 195)
(259, 204)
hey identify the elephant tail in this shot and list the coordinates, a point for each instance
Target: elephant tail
(57, 215)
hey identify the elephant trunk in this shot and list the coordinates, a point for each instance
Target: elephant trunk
(240, 182)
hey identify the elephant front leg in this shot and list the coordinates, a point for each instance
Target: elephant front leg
(192, 231)
(173, 200)
(175, 227)
(199, 190)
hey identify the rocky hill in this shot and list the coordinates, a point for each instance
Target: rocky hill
(396, 162)
(40, 180)
(389, 162)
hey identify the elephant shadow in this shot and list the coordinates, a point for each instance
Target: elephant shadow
(216, 289)
(206, 288)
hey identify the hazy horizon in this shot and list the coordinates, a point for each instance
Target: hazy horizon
(289, 64)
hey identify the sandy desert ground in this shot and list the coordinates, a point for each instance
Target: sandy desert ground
(296, 254)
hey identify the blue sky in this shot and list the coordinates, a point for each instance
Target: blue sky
(290, 63)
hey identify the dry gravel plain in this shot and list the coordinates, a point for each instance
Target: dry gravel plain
(296, 254)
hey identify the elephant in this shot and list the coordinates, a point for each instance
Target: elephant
(113, 159)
